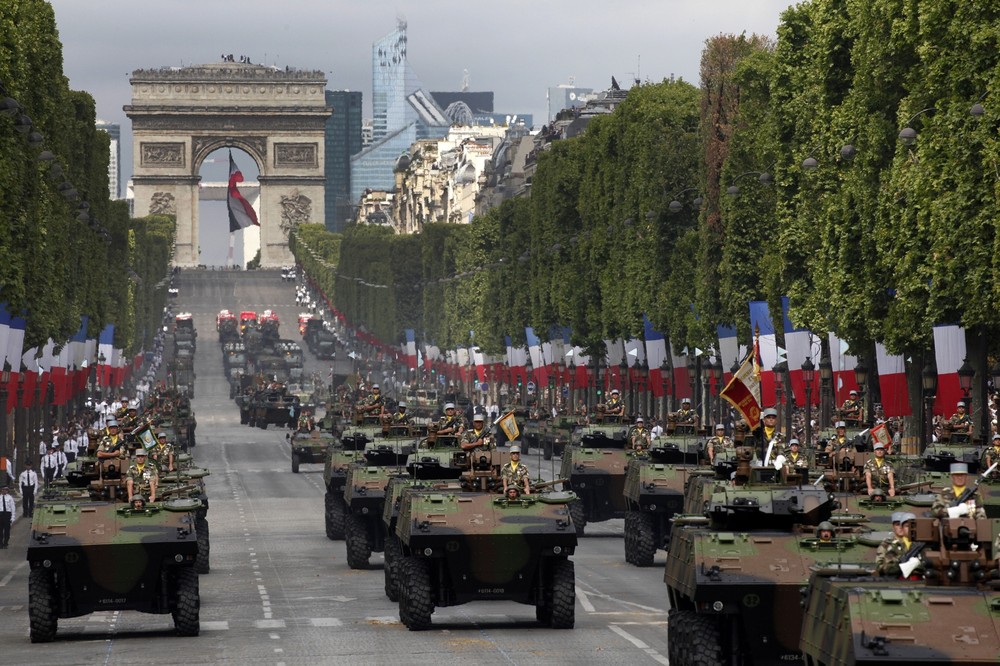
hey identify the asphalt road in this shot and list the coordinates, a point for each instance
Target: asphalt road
(280, 592)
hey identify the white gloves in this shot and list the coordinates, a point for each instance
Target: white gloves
(909, 565)
(958, 511)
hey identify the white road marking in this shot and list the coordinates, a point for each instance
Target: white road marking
(6, 579)
(581, 596)
(384, 619)
(656, 656)
(325, 622)
(269, 624)
(215, 625)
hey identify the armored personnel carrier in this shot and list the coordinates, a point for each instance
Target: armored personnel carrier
(946, 616)
(385, 457)
(102, 556)
(734, 572)
(595, 466)
(475, 544)
(273, 406)
(341, 454)
(309, 447)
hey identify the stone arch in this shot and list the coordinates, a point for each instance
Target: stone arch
(180, 115)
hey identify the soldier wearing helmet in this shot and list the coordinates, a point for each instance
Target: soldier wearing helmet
(992, 455)
(639, 437)
(451, 423)
(880, 477)
(851, 408)
(892, 550)
(400, 417)
(946, 504)
(825, 531)
(374, 403)
(840, 441)
(685, 415)
(112, 443)
(719, 443)
(142, 477)
(961, 424)
(514, 474)
(614, 406)
(477, 437)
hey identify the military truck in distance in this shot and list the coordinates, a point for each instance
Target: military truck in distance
(516, 548)
(595, 466)
(101, 556)
(734, 573)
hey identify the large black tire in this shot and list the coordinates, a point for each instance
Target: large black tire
(578, 512)
(201, 563)
(416, 603)
(644, 542)
(563, 595)
(295, 463)
(262, 423)
(393, 553)
(188, 603)
(359, 551)
(679, 638)
(334, 509)
(630, 536)
(42, 606)
(704, 646)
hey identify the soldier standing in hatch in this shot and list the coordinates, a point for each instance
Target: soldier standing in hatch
(614, 406)
(852, 407)
(400, 417)
(142, 477)
(451, 423)
(880, 477)
(840, 440)
(374, 403)
(891, 551)
(639, 437)
(961, 424)
(685, 415)
(514, 473)
(944, 503)
(477, 437)
(720, 443)
(163, 454)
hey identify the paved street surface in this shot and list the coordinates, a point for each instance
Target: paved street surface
(280, 592)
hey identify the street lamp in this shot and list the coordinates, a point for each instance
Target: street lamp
(779, 389)
(825, 384)
(694, 376)
(965, 376)
(4, 380)
(622, 374)
(643, 389)
(717, 373)
(928, 384)
(665, 376)
(808, 373)
(908, 135)
(861, 377)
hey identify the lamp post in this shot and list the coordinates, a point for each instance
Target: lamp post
(622, 376)
(717, 373)
(779, 389)
(644, 388)
(808, 373)
(861, 377)
(965, 376)
(928, 385)
(20, 415)
(665, 374)
(528, 373)
(4, 380)
(825, 386)
(706, 382)
(694, 376)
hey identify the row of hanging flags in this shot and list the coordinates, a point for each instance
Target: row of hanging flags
(67, 366)
(555, 360)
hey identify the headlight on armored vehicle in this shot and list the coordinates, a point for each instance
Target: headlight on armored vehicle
(178, 558)
(556, 550)
(717, 606)
(428, 552)
(46, 563)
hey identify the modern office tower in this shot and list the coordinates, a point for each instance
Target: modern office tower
(114, 164)
(343, 139)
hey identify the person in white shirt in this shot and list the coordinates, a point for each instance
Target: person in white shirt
(72, 445)
(60, 460)
(28, 480)
(50, 465)
(8, 514)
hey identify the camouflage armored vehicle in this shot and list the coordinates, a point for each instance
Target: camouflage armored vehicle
(309, 447)
(953, 448)
(273, 406)
(595, 466)
(734, 572)
(946, 616)
(341, 454)
(551, 435)
(102, 556)
(516, 548)
(364, 494)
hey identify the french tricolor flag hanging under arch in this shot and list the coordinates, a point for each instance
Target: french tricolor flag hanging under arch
(241, 213)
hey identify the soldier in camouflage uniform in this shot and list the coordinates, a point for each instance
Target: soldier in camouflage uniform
(614, 405)
(477, 437)
(639, 437)
(794, 460)
(840, 441)
(718, 444)
(991, 456)
(514, 474)
(162, 454)
(141, 477)
(374, 403)
(852, 407)
(890, 553)
(112, 443)
(451, 423)
(685, 415)
(880, 477)
(944, 502)
(961, 424)
(400, 417)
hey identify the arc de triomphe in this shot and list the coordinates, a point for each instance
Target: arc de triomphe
(182, 114)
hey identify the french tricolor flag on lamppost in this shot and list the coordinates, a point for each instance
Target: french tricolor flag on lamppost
(241, 213)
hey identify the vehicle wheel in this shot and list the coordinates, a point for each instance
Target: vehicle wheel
(579, 515)
(415, 601)
(334, 505)
(644, 545)
(563, 595)
(393, 553)
(188, 603)
(201, 563)
(295, 463)
(704, 644)
(251, 421)
(630, 537)
(42, 606)
(356, 537)
(262, 424)
(547, 451)
(679, 638)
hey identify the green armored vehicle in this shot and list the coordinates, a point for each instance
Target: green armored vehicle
(475, 545)
(595, 466)
(385, 457)
(947, 615)
(734, 572)
(309, 447)
(102, 556)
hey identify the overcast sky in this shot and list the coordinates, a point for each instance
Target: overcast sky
(516, 48)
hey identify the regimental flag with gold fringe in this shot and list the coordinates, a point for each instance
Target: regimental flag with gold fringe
(508, 424)
(743, 391)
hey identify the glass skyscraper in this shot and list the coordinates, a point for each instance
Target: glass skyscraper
(343, 139)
